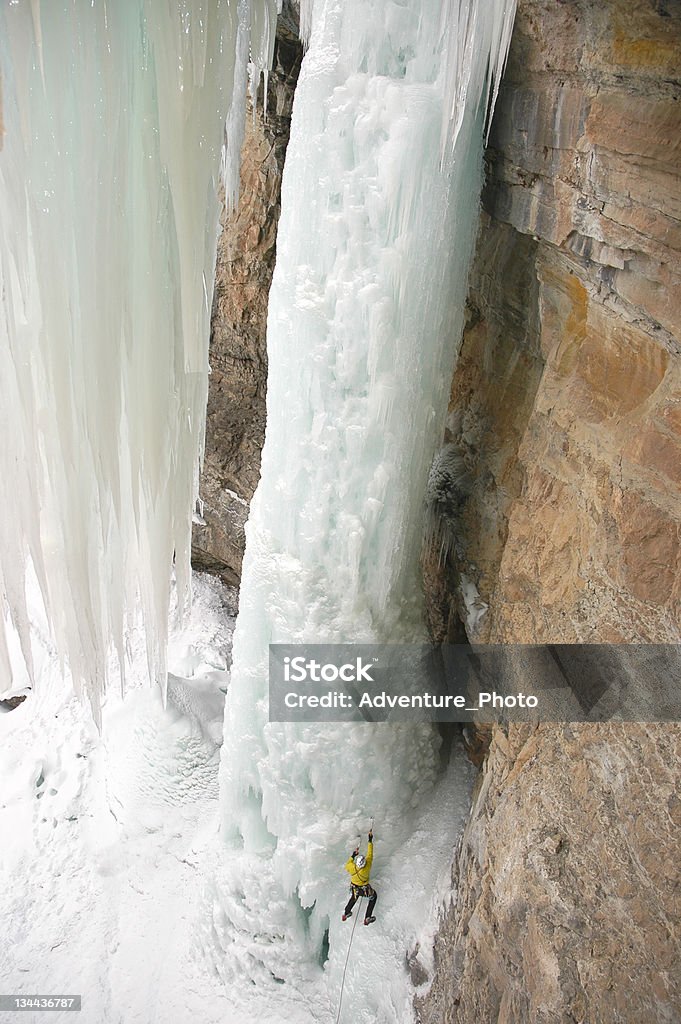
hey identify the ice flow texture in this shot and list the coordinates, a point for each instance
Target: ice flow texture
(114, 121)
(379, 209)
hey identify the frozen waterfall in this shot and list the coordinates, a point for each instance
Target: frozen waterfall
(112, 123)
(379, 210)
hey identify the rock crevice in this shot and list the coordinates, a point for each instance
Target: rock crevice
(235, 427)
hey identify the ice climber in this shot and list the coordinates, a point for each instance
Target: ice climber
(359, 868)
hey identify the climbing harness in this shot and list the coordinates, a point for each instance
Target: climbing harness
(362, 891)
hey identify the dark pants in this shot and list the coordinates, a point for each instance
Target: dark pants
(362, 890)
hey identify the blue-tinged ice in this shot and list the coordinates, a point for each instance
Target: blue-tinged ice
(379, 211)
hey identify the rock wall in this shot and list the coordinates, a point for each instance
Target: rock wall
(566, 404)
(566, 411)
(235, 427)
(568, 897)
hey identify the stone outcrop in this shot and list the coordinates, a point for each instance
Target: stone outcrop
(235, 427)
(566, 412)
(11, 703)
(568, 883)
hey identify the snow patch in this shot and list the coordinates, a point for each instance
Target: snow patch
(475, 607)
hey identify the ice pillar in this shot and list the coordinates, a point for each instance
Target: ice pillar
(379, 211)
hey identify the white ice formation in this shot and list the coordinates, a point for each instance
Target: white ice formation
(379, 212)
(112, 123)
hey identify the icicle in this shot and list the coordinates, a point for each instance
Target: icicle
(504, 27)
(471, 28)
(306, 11)
(114, 118)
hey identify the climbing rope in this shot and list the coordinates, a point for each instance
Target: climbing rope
(352, 935)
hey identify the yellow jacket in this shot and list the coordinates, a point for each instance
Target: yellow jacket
(360, 876)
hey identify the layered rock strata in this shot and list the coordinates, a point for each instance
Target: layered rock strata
(566, 404)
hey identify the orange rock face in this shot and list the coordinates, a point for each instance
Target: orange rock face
(592, 539)
(567, 398)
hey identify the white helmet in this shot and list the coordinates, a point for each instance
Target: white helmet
(360, 860)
